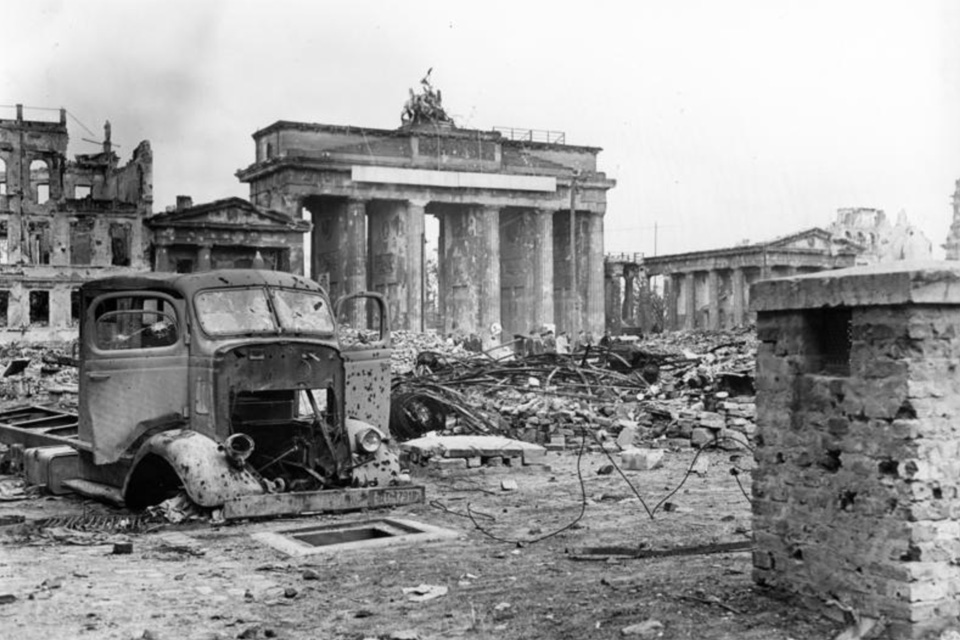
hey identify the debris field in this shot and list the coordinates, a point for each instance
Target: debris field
(590, 500)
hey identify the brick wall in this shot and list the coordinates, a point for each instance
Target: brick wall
(855, 494)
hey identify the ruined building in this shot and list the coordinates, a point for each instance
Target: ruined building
(508, 203)
(952, 244)
(877, 240)
(225, 234)
(63, 222)
(711, 289)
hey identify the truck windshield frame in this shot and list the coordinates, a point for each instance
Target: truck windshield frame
(233, 311)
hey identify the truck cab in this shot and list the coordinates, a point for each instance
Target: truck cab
(238, 387)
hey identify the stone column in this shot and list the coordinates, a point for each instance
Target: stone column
(671, 295)
(613, 282)
(395, 244)
(415, 264)
(203, 257)
(354, 239)
(738, 288)
(594, 298)
(631, 277)
(470, 246)
(542, 263)
(353, 236)
(690, 301)
(526, 270)
(713, 297)
(162, 258)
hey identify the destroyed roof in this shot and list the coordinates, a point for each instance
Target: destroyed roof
(186, 284)
(217, 214)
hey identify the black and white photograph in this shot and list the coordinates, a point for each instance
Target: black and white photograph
(498, 320)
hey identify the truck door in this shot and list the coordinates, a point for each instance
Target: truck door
(364, 334)
(133, 369)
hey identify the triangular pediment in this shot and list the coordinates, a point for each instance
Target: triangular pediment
(228, 213)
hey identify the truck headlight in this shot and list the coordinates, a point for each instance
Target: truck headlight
(369, 440)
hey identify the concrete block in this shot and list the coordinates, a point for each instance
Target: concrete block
(701, 437)
(642, 459)
(538, 456)
(447, 463)
(712, 420)
(509, 484)
(473, 462)
(626, 437)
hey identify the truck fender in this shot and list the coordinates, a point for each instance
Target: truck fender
(199, 463)
(383, 467)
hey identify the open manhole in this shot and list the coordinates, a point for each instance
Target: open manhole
(341, 536)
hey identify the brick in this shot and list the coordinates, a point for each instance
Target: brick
(642, 459)
(701, 437)
(447, 463)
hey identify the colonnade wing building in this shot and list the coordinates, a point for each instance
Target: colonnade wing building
(504, 209)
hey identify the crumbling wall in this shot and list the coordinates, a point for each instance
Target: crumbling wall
(856, 491)
(134, 180)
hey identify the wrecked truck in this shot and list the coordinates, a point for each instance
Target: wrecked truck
(238, 387)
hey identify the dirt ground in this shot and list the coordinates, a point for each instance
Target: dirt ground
(200, 581)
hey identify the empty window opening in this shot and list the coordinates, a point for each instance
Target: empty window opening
(40, 180)
(831, 333)
(39, 308)
(3, 177)
(75, 307)
(40, 245)
(82, 191)
(4, 305)
(4, 243)
(120, 245)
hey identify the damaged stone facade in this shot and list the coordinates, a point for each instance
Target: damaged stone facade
(225, 234)
(952, 245)
(62, 223)
(855, 497)
(503, 207)
(710, 289)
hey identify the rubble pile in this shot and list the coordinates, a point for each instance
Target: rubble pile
(407, 345)
(685, 388)
(38, 374)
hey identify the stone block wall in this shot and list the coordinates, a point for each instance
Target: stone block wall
(858, 411)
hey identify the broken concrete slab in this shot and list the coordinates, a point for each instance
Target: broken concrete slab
(469, 447)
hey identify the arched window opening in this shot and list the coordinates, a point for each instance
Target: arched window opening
(40, 180)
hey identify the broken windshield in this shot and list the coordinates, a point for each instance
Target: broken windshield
(302, 312)
(245, 311)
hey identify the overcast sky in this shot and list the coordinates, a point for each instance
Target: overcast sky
(720, 120)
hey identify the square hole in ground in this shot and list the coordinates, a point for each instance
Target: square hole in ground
(341, 536)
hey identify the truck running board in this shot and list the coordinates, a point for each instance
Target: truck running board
(294, 503)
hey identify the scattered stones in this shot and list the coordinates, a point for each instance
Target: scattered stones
(424, 592)
(646, 629)
(642, 459)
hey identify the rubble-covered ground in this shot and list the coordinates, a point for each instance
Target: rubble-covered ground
(198, 581)
(542, 551)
